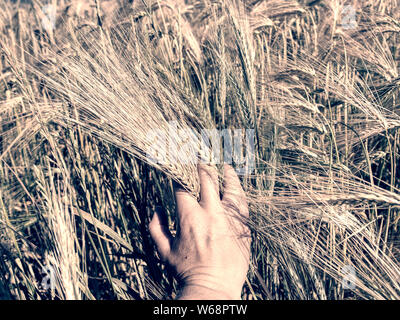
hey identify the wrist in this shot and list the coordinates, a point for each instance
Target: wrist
(209, 283)
(204, 292)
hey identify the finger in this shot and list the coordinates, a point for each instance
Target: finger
(185, 202)
(234, 196)
(209, 189)
(160, 233)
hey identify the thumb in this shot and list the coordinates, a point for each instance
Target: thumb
(160, 233)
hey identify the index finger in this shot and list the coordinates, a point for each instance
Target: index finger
(209, 190)
(185, 202)
(233, 191)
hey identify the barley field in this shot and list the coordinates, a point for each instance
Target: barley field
(83, 84)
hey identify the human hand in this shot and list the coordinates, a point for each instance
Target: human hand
(211, 250)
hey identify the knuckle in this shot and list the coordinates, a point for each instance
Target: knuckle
(236, 204)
